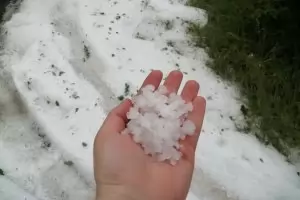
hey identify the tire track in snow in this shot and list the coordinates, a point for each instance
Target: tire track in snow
(27, 158)
(65, 105)
(32, 166)
(90, 67)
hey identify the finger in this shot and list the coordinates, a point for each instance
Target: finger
(154, 78)
(117, 119)
(122, 109)
(173, 81)
(196, 116)
(190, 91)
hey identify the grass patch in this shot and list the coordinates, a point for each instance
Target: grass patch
(168, 24)
(256, 44)
(87, 52)
(1, 172)
(121, 98)
(69, 163)
(127, 89)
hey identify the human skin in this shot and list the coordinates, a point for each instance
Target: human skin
(124, 172)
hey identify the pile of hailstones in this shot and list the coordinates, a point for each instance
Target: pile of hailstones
(158, 122)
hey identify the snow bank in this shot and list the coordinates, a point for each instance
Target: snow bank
(70, 60)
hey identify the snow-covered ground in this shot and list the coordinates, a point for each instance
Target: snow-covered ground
(66, 63)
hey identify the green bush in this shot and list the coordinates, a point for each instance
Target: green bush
(256, 43)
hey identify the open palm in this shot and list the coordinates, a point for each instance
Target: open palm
(124, 171)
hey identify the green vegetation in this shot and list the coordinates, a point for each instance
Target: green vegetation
(13, 6)
(1, 172)
(121, 98)
(87, 52)
(127, 89)
(69, 163)
(256, 44)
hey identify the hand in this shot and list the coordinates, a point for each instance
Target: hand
(123, 171)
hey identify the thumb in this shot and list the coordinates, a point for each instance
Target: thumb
(117, 119)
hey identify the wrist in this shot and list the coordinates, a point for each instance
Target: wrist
(115, 193)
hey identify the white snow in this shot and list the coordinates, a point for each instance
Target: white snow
(34, 168)
(67, 92)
